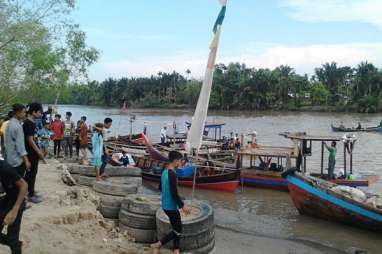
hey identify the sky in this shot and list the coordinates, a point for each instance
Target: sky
(142, 37)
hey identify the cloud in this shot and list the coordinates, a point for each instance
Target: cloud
(303, 58)
(368, 11)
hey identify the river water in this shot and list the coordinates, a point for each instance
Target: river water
(267, 212)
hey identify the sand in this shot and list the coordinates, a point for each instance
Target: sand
(67, 222)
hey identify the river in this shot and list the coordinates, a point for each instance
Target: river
(266, 212)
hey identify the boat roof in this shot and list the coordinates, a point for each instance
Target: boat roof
(305, 136)
(210, 125)
(270, 151)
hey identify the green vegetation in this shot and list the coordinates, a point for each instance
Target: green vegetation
(41, 49)
(332, 88)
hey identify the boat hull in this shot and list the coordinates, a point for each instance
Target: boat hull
(316, 202)
(224, 182)
(277, 182)
(344, 129)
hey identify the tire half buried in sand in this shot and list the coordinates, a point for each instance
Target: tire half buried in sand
(86, 180)
(109, 170)
(115, 189)
(140, 235)
(109, 211)
(197, 228)
(142, 204)
(109, 200)
(137, 220)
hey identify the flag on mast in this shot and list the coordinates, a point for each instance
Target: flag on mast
(195, 135)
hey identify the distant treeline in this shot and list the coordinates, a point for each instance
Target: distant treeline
(236, 86)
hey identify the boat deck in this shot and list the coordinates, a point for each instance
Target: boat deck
(270, 151)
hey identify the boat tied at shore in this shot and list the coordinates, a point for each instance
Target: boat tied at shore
(322, 199)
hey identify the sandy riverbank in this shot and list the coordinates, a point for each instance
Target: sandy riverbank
(68, 222)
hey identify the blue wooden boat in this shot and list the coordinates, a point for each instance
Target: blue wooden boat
(316, 197)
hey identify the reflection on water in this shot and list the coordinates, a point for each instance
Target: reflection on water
(269, 212)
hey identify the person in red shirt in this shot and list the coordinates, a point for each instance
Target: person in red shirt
(57, 127)
(84, 141)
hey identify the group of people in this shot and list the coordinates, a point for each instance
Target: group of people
(22, 152)
(18, 171)
(25, 133)
(66, 134)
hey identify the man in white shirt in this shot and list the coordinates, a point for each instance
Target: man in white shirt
(163, 135)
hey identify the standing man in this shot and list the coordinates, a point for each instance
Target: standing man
(3, 127)
(57, 126)
(332, 158)
(47, 116)
(11, 206)
(16, 154)
(34, 152)
(163, 135)
(69, 132)
(84, 141)
(106, 134)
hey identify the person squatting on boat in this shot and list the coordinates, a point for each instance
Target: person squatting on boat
(171, 203)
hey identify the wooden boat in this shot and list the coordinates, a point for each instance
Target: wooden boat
(316, 197)
(347, 129)
(270, 176)
(221, 180)
(265, 176)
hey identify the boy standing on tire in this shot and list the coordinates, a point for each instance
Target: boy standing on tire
(171, 202)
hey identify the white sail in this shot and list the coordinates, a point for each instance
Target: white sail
(195, 135)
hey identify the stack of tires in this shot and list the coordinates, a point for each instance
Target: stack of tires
(111, 195)
(198, 235)
(85, 174)
(138, 217)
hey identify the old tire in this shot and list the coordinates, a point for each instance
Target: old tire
(109, 200)
(126, 180)
(140, 235)
(109, 211)
(134, 220)
(89, 170)
(85, 170)
(75, 177)
(86, 180)
(115, 189)
(203, 222)
(192, 241)
(122, 171)
(197, 231)
(142, 204)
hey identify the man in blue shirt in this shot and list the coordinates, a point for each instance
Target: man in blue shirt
(171, 202)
